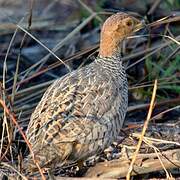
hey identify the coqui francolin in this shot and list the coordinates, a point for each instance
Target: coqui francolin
(82, 113)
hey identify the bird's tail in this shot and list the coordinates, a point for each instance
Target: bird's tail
(48, 157)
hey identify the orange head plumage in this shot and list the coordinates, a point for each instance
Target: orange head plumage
(116, 28)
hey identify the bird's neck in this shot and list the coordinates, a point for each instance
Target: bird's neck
(109, 57)
(109, 46)
(111, 62)
(111, 66)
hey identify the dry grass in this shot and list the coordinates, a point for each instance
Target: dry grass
(38, 48)
(143, 131)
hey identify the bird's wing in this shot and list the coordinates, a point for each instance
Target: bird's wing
(71, 107)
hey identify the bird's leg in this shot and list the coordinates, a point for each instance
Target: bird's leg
(50, 174)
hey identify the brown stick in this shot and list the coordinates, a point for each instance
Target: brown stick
(159, 104)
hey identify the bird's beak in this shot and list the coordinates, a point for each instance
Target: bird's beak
(138, 25)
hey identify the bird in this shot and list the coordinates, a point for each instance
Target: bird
(82, 113)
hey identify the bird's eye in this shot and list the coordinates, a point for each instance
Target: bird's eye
(129, 23)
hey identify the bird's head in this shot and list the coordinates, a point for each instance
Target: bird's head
(116, 28)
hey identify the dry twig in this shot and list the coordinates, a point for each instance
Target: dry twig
(143, 131)
(145, 163)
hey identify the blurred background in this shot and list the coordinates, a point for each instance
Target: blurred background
(36, 37)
